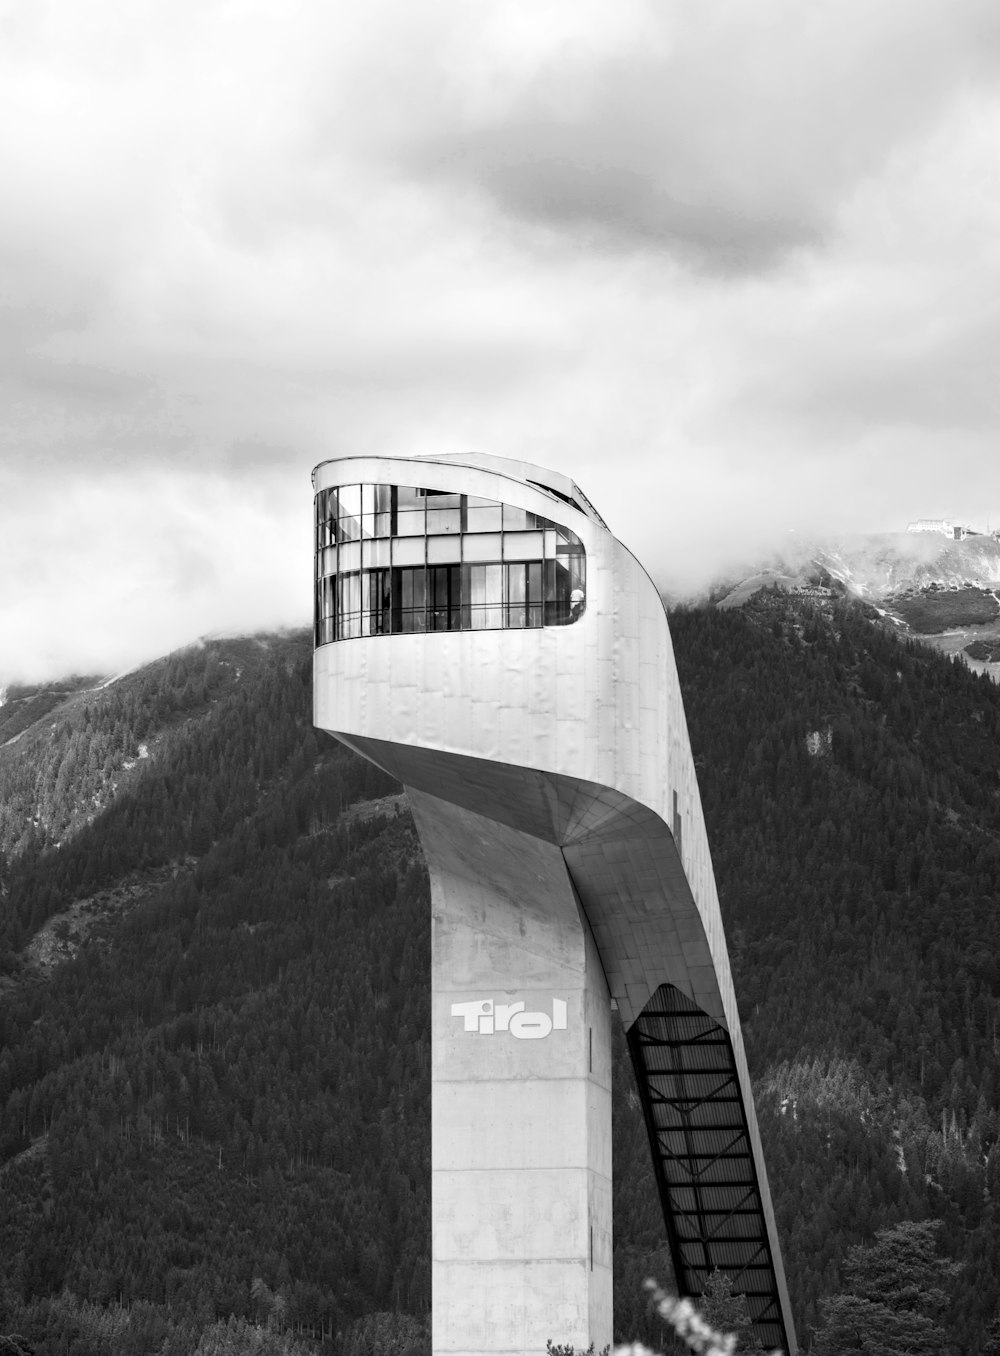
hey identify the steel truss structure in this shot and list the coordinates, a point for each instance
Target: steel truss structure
(702, 1156)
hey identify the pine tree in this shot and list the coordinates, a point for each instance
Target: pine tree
(895, 1298)
(728, 1312)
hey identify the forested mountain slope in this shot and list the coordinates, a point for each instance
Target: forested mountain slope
(852, 793)
(220, 1105)
(217, 1113)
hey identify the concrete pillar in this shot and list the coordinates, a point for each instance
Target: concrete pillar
(521, 1095)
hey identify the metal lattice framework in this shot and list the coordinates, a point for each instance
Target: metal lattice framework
(711, 1198)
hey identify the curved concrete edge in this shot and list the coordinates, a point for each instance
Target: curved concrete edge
(621, 856)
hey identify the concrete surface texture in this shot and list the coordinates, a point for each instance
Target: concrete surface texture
(521, 1094)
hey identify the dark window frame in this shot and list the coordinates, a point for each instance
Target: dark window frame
(437, 596)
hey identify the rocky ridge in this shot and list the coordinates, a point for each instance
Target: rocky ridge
(943, 592)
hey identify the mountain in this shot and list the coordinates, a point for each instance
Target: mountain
(21, 705)
(214, 950)
(204, 1109)
(945, 591)
(884, 565)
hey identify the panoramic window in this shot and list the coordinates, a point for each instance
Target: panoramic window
(392, 559)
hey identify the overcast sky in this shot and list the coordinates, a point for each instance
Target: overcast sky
(734, 265)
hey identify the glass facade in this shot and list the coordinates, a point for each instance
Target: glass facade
(395, 558)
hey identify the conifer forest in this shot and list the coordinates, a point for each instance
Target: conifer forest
(214, 1000)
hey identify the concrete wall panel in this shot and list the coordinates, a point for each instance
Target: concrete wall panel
(521, 1168)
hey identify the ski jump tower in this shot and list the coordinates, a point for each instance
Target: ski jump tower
(482, 636)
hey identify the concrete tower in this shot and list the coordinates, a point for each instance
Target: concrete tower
(482, 636)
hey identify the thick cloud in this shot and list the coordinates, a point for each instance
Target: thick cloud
(728, 134)
(734, 267)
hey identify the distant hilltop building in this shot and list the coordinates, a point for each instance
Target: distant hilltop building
(955, 531)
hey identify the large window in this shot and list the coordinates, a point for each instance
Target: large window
(396, 558)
